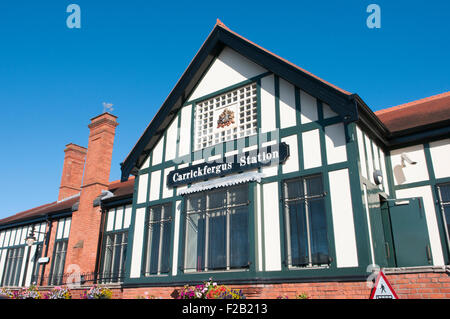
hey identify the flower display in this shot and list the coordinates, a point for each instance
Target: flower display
(209, 290)
(27, 293)
(6, 293)
(96, 292)
(59, 293)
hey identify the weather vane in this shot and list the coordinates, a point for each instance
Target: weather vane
(107, 107)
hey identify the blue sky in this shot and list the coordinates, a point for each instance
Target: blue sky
(131, 53)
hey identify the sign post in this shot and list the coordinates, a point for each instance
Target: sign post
(382, 289)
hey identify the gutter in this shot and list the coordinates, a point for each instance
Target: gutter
(63, 213)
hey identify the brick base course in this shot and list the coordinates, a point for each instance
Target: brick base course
(407, 286)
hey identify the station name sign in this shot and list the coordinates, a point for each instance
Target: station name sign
(264, 156)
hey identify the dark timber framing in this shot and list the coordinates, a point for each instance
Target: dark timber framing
(252, 274)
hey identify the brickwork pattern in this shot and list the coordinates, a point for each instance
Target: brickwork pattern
(407, 286)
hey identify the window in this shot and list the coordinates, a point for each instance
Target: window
(13, 266)
(216, 230)
(306, 225)
(226, 117)
(114, 253)
(444, 200)
(59, 256)
(159, 225)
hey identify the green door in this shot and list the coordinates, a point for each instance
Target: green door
(409, 232)
(388, 243)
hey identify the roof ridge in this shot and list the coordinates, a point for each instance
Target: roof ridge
(220, 24)
(415, 102)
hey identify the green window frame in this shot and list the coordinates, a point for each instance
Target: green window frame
(59, 257)
(114, 254)
(13, 266)
(306, 237)
(216, 233)
(158, 240)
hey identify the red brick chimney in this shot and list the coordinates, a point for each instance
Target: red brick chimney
(72, 174)
(85, 227)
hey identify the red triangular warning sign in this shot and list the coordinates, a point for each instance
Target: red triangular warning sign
(382, 289)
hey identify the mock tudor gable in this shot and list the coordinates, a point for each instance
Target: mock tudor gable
(226, 58)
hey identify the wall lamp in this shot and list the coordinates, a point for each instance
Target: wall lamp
(31, 239)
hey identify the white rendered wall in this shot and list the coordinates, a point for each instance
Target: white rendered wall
(268, 122)
(138, 240)
(185, 131)
(171, 140)
(155, 181)
(142, 188)
(287, 104)
(409, 173)
(440, 157)
(311, 149)
(228, 68)
(291, 164)
(361, 151)
(158, 152)
(176, 236)
(336, 144)
(343, 223)
(308, 108)
(271, 227)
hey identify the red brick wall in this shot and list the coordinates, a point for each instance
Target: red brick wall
(418, 286)
(73, 168)
(407, 286)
